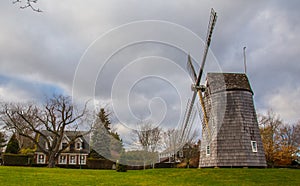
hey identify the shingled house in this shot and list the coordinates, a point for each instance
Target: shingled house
(232, 137)
(75, 154)
(187, 151)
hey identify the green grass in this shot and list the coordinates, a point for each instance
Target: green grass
(60, 176)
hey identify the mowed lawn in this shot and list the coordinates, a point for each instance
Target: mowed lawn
(60, 176)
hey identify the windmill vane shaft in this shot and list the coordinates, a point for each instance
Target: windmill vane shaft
(211, 25)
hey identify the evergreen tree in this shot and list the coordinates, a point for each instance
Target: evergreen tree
(116, 143)
(106, 143)
(103, 117)
(122, 164)
(13, 145)
(101, 135)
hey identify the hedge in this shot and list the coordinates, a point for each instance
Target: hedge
(99, 164)
(17, 159)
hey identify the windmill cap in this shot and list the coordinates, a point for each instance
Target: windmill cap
(217, 82)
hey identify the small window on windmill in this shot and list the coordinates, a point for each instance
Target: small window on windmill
(207, 150)
(254, 146)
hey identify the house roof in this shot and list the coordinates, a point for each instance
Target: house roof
(178, 148)
(68, 135)
(217, 82)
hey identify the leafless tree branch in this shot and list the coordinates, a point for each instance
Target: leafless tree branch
(54, 117)
(28, 4)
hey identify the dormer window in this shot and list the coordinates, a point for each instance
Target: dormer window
(78, 146)
(64, 145)
(181, 154)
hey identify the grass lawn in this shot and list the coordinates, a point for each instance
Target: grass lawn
(60, 176)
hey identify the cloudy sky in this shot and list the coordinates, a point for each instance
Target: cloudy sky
(131, 54)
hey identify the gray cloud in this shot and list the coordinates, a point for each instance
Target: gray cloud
(46, 49)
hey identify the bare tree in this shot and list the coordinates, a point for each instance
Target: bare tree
(49, 122)
(297, 133)
(149, 137)
(290, 135)
(27, 4)
(172, 141)
(289, 144)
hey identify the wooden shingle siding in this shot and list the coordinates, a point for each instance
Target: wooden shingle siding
(232, 123)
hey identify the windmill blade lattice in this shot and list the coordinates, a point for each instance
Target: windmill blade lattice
(196, 86)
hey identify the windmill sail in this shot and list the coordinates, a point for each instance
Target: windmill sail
(211, 25)
(191, 69)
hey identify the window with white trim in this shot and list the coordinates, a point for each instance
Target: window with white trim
(64, 145)
(62, 159)
(82, 159)
(78, 146)
(181, 154)
(72, 159)
(254, 146)
(207, 150)
(40, 158)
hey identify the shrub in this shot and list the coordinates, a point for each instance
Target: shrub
(182, 165)
(17, 159)
(121, 168)
(99, 164)
(27, 151)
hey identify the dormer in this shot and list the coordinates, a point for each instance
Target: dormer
(64, 142)
(78, 144)
(50, 139)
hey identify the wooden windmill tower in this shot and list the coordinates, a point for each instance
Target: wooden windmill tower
(230, 133)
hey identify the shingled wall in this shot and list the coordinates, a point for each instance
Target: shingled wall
(232, 123)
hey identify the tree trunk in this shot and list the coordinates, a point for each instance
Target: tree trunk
(51, 160)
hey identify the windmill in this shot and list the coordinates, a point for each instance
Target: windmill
(230, 133)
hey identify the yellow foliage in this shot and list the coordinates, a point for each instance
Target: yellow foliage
(27, 151)
(280, 142)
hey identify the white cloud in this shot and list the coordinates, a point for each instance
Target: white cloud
(12, 94)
